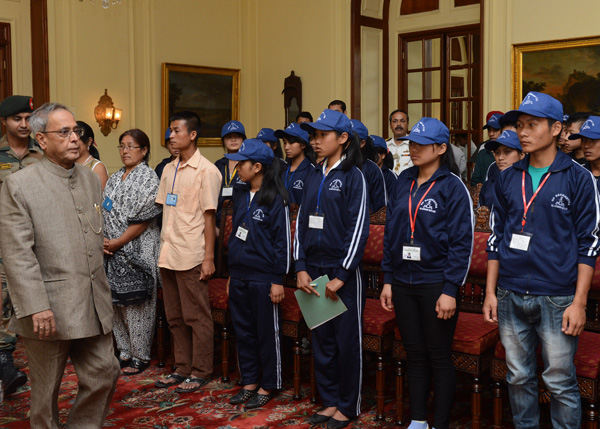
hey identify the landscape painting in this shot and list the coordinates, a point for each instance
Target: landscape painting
(212, 93)
(568, 70)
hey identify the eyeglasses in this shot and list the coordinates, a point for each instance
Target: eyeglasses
(66, 132)
(129, 148)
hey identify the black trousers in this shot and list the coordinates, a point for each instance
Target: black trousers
(428, 344)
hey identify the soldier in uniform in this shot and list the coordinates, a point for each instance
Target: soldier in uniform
(17, 150)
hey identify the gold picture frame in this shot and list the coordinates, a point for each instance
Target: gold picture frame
(566, 69)
(213, 93)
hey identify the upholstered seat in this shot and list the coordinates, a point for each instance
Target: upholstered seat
(377, 321)
(217, 294)
(289, 306)
(473, 335)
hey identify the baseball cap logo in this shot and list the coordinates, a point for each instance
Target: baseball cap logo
(494, 118)
(530, 99)
(419, 128)
(588, 125)
(31, 103)
(323, 116)
(243, 147)
(261, 133)
(504, 135)
(232, 127)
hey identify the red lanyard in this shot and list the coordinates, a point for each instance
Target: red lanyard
(413, 220)
(527, 204)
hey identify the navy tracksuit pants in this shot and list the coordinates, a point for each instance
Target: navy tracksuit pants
(337, 347)
(258, 337)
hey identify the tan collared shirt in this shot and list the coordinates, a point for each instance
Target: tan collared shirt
(197, 185)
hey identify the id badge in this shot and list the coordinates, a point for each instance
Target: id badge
(411, 252)
(241, 233)
(107, 204)
(520, 241)
(315, 221)
(171, 200)
(227, 192)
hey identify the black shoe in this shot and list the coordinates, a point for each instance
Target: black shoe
(258, 400)
(317, 419)
(138, 365)
(201, 382)
(9, 374)
(337, 424)
(124, 362)
(242, 396)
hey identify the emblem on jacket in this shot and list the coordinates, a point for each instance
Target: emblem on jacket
(429, 205)
(298, 184)
(336, 185)
(560, 201)
(258, 215)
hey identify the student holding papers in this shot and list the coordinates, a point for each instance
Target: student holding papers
(259, 258)
(331, 233)
(426, 254)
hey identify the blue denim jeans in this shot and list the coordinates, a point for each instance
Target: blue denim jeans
(526, 321)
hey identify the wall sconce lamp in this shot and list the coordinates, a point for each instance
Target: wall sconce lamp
(106, 114)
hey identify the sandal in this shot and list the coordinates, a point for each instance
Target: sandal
(124, 362)
(138, 365)
(177, 379)
(258, 400)
(242, 396)
(195, 380)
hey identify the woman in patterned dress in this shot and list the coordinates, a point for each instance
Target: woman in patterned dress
(131, 244)
(88, 159)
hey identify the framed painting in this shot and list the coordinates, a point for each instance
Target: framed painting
(212, 93)
(568, 70)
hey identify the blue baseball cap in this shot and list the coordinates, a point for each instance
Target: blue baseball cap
(266, 135)
(508, 138)
(254, 150)
(233, 127)
(168, 133)
(537, 104)
(329, 120)
(379, 142)
(293, 130)
(428, 131)
(360, 129)
(494, 121)
(590, 129)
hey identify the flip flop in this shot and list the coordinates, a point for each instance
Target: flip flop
(178, 379)
(196, 380)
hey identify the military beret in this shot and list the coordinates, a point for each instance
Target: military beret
(16, 104)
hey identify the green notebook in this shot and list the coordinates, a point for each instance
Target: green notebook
(318, 309)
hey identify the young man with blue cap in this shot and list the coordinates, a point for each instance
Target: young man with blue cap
(296, 145)
(259, 258)
(540, 264)
(371, 171)
(507, 150)
(331, 233)
(590, 143)
(427, 248)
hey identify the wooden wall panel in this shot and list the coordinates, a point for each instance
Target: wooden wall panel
(409, 7)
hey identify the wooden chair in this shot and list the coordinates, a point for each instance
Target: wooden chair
(292, 322)
(378, 324)
(219, 301)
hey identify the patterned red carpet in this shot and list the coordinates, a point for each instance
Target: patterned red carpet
(138, 404)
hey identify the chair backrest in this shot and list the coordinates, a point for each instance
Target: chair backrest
(472, 293)
(290, 278)
(373, 255)
(225, 229)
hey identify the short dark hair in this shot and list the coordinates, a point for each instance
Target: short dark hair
(577, 117)
(141, 138)
(338, 103)
(399, 111)
(306, 115)
(87, 131)
(192, 121)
